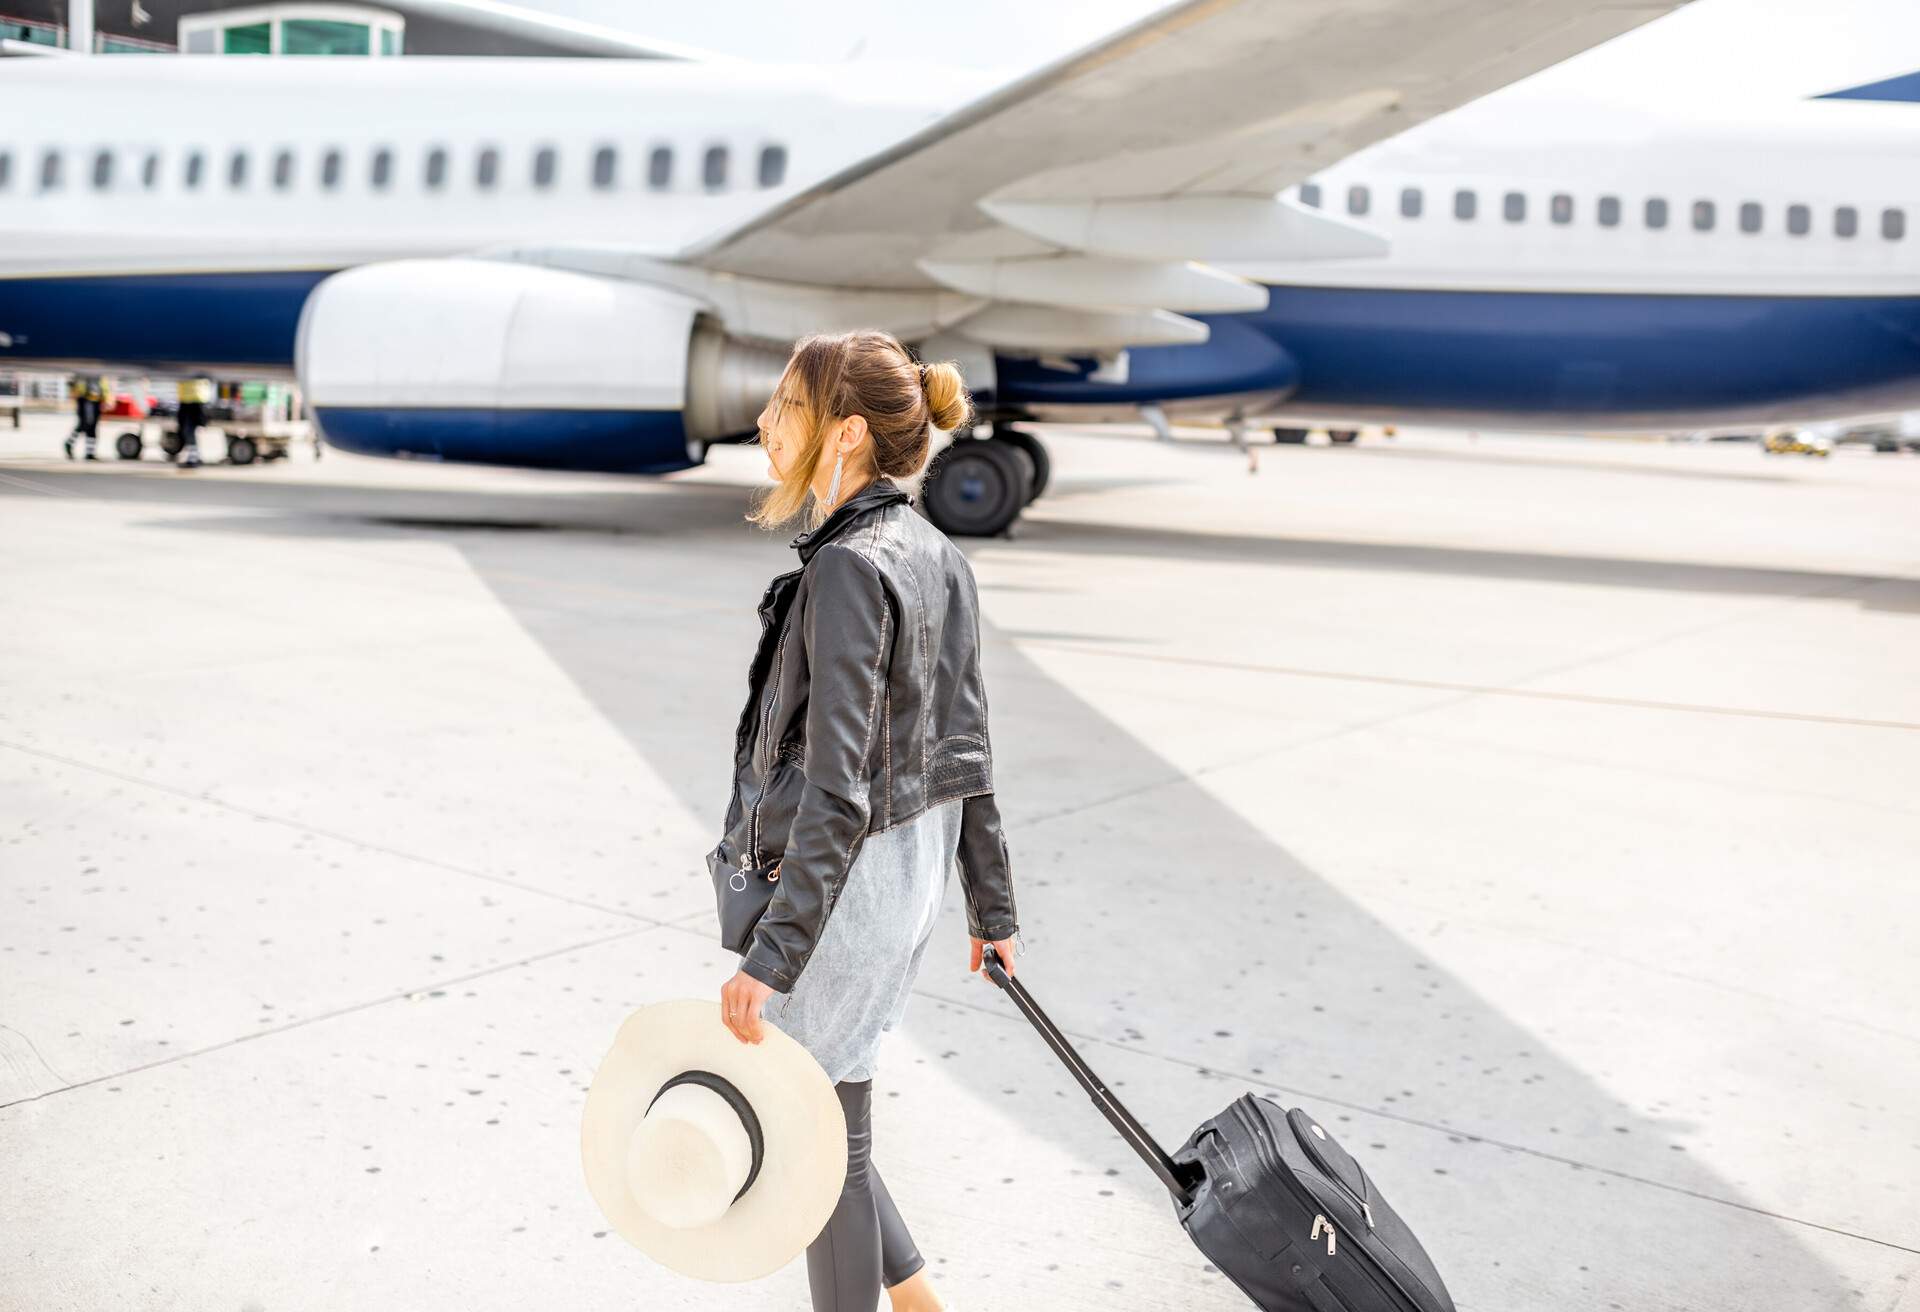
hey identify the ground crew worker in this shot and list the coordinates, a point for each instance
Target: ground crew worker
(194, 395)
(90, 393)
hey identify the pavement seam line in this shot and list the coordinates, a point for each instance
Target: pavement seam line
(336, 1013)
(1476, 689)
(1451, 1131)
(331, 835)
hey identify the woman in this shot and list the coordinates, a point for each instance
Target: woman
(863, 766)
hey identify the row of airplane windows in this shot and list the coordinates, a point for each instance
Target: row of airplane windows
(436, 167)
(1607, 211)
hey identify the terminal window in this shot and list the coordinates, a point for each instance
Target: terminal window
(1560, 209)
(1703, 216)
(237, 169)
(1750, 216)
(1893, 224)
(330, 169)
(545, 164)
(102, 170)
(1656, 213)
(1410, 202)
(604, 162)
(283, 170)
(317, 36)
(381, 171)
(1464, 203)
(660, 168)
(1310, 194)
(1799, 220)
(773, 165)
(248, 39)
(713, 170)
(486, 169)
(1609, 211)
(1846, 221)
(50, 171)
(436, 175)
(1514, 207)
(1357, 200)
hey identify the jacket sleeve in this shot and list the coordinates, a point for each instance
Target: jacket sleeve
(847, 629)
(985, 873)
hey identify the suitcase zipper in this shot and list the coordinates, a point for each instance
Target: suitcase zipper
(1326, 1169)
(1263, 1142)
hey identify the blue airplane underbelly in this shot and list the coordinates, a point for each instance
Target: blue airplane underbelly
(1519, 355)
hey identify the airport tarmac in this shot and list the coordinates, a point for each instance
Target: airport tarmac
(1539, 813)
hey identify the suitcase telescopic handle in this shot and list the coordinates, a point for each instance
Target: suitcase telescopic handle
(1178, 1182)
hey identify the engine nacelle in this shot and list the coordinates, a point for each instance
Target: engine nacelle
(492, 362)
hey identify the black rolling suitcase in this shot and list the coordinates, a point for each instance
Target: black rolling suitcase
(1271, 1199)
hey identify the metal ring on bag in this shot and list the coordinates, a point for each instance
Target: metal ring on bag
(740, 875)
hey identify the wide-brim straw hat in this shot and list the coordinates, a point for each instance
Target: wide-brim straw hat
(717, 1158)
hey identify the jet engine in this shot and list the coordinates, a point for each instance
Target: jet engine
(492, 362)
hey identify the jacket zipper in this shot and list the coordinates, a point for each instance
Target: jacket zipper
(766, 727)
(1262, 1136)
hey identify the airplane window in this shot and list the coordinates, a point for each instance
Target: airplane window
(1561, 208)
(283, 170)
(1656, 213)
(1310, 194)
(714, 170)
(773, 165)
(1609, 211)
(1463, 204)
(102, 170)
(437, 168)
(1514, 207)
(1846, 221)
(196, 162)
(1357, 200)
(1799, 220)
(660, 168)
(1750, 216)
(330, 169)
(50, 171)
(150, 170)
(1893, 224)
(381, 171)
(486, 169)
(1703, 216)
(545, 164)
(237, 169)
(604, 162)
(1410, 202)
(6, 167)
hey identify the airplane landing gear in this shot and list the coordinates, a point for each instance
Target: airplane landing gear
(978, 486)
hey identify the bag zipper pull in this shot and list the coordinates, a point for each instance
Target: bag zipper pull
(1318, 1222)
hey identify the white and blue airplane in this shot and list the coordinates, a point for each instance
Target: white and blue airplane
(1236, 208)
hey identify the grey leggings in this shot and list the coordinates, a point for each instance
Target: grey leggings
(865, 1243)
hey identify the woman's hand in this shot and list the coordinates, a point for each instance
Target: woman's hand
(1003, 946)
(741, 999)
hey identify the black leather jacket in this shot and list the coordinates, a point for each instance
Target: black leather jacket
(865, 707)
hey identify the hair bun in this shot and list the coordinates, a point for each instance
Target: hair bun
(947, 401)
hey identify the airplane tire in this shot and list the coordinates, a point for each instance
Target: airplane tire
(127, 446)
(976, 488)
(1294, 436)
(1039, 465)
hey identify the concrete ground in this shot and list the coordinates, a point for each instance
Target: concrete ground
(1539, 813)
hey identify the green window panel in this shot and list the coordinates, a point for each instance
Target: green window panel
(250, 39)
(319, 36)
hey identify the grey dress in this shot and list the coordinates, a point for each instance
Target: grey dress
(857, 981)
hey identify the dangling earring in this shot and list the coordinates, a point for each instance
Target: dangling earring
(833, 488)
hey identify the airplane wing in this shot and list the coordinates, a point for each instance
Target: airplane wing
(1081, 201)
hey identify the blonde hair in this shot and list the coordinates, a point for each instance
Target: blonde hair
(867, 373)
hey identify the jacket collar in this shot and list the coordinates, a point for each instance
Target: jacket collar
(879, 492)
